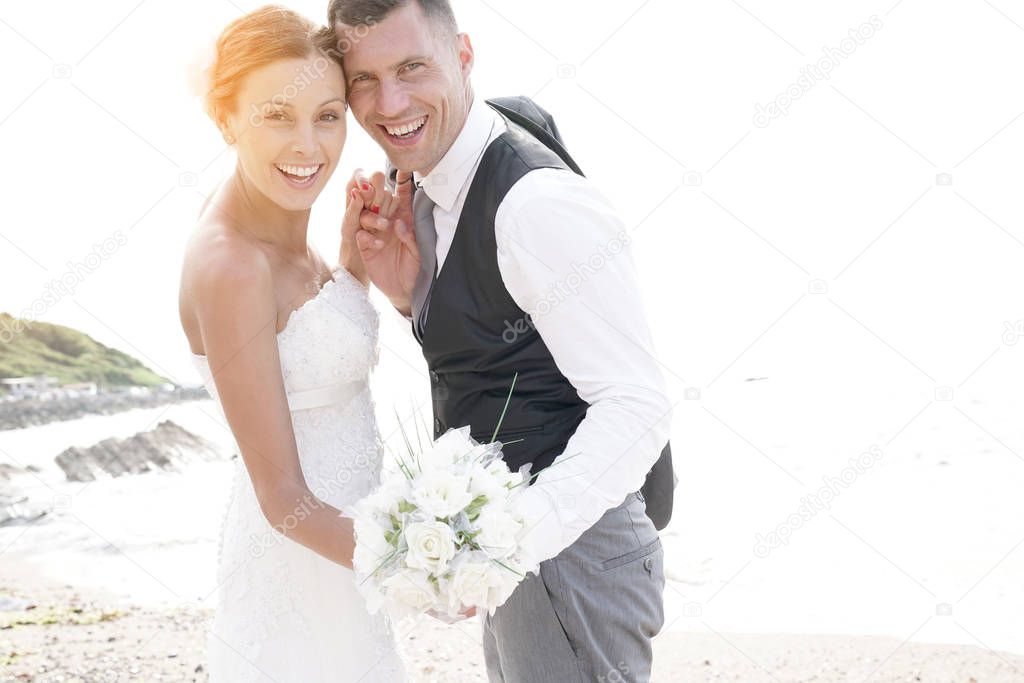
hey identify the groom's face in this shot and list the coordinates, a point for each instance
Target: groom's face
(408, 85)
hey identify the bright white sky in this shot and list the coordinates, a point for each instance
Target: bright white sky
(657, 90)
(104, 149)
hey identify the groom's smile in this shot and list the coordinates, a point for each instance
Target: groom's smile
(405, 134)
(408, 84)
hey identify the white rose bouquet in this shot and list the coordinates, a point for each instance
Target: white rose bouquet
(442, 533)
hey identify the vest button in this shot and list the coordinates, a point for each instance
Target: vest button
(648, 564)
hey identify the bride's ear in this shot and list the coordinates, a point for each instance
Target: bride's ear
(227, 133)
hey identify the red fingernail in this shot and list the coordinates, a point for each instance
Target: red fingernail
(365, 186)
(375, 209)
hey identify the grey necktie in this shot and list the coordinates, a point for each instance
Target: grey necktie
(426, 241)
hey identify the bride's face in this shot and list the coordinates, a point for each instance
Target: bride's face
(289, 128)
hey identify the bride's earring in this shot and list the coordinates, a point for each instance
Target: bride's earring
(229, 139)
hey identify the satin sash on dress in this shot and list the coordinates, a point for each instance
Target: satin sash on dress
(336, 394)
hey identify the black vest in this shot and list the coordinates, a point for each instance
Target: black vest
(476, 338)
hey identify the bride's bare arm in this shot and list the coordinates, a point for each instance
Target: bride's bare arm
(237, 317)
(349, 256)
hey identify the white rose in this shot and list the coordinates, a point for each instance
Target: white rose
(409, 592)
(474, 577)
(371, 551)
(395, 487)
(509, 576)
(498, 531)
(440, 493)
(431, 546)
(449, 448)
(367, 506)
(371, 545)
(501, 474)
(483, 483)
(385, 498)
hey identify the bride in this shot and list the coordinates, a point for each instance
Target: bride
(285, 344)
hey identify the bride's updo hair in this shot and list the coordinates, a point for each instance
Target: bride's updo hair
(251, 42)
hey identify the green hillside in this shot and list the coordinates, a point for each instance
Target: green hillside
(68, 355)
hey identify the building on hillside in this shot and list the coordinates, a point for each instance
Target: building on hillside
(79, 389)
(18, 388)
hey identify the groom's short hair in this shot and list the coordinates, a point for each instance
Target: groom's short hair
(370, 12)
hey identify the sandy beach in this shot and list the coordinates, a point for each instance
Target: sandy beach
(89, 593)
(52, 632)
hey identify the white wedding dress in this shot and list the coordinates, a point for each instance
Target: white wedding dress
(284, 613)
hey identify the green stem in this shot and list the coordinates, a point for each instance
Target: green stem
(413, 455)
(502, 564)
(507, 400)
(381, 565)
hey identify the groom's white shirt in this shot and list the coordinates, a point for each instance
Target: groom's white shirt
(563, 256)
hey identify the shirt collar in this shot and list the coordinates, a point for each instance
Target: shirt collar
(444, 183)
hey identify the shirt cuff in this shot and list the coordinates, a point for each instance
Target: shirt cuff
(541, 537)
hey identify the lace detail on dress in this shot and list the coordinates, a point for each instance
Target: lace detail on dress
(285, 613)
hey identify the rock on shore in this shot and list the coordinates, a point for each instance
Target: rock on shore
(167, 447)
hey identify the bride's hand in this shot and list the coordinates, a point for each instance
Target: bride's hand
(362, 197)
(349, 257)
(386, 240)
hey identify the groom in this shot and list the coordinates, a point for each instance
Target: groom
(503, 227)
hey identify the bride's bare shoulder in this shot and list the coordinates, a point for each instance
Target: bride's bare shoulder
(217, 248)
(219, 263)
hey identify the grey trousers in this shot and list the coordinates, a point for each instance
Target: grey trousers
(590, 614)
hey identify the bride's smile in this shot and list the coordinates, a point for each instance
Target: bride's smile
(299, 176)
(288, 128)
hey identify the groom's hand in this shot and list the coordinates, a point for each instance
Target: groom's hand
(386, 239)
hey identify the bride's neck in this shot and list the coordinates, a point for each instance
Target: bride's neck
(266, 220)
